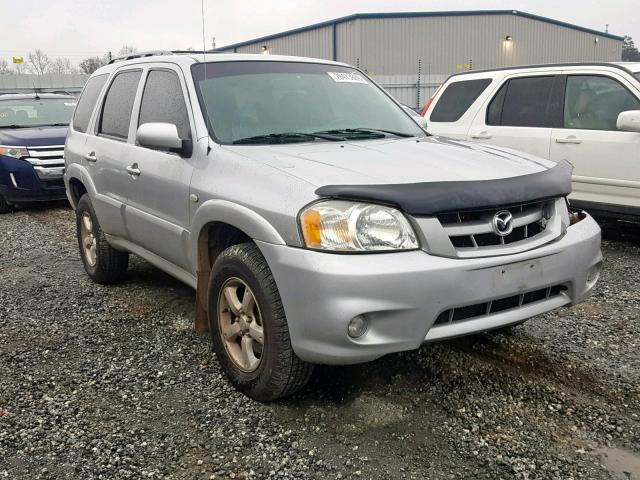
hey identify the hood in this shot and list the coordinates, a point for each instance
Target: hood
(433, 159)
(33, 137)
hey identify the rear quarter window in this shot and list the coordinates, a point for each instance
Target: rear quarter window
(87, 102)
(457, 98)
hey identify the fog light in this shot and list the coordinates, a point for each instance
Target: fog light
(594, 274)
(358, 326)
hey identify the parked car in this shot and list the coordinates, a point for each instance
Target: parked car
(588, 114)
(318, 223)
(33, 128)
(417, 117)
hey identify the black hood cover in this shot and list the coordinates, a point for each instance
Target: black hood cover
(429, 198)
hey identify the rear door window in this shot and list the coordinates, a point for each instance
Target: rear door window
(87, 102)
(457, 98)
(593, 102)
(118, 105)
(522, 102)
(163, 101)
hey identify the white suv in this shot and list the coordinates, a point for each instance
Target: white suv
(588, 114)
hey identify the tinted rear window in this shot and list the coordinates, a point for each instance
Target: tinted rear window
(457, 98)
(118, 104)
(87, 102)
(522, 103)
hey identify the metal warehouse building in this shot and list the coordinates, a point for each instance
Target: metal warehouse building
(418, 49)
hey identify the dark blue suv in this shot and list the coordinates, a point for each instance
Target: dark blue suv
(33, 128)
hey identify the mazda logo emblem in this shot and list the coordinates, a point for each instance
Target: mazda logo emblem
(502, 223)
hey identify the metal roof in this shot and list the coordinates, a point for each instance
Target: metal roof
(624, 66)
(633, 66)
(462, 13)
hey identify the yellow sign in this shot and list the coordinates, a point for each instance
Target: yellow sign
(18, 59)
(463, 66)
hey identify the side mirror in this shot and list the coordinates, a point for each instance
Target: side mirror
(419, 119)
(629, 121)
(162, 136)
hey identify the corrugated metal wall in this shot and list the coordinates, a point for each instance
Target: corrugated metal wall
(316, 43)
(444, 44)
(450, 44)
(15, 83)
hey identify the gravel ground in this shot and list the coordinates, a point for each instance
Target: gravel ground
(112, 383)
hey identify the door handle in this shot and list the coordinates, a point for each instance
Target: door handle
(133, 170)
(481, 135)
(91, 157)
(571, 139)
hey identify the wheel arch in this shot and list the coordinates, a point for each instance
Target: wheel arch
(217, 225)
(78, 183)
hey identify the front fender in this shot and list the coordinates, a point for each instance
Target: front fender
(238, 216)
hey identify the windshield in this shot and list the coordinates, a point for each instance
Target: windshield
(284, 102)
(30, 112)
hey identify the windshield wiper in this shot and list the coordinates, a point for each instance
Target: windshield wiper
(15, 126)
(286, 137)
(390, 132)
(36, 126)
(367, 132)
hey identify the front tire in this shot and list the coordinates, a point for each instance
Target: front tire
(103, 263)
(5, 207)
(249, 330)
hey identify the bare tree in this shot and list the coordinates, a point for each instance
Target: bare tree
(4, 67)
(61, 66)
(39, 62)
(91, 64)
(126, 50)
(20, 68)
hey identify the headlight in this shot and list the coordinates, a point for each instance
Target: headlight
(15, 152)
(343, 226)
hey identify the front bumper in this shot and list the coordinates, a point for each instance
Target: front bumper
(20, 182)
(402, 294)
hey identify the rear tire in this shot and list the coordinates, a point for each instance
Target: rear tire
(103, 263)
(5, 207)
(250, 334)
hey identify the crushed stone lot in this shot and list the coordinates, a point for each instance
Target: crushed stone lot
(112, 383)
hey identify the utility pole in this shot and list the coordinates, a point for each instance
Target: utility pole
(213, 43)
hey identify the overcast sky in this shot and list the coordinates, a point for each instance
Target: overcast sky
(80, 28)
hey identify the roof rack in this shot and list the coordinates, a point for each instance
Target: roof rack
(154, 53)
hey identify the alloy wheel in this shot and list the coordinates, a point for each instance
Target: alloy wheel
(240, 324)
(88, 239)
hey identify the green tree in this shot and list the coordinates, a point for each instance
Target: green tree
(629, 51)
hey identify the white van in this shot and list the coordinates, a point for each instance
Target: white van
(588, 114)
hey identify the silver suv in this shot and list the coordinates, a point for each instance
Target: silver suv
(317, 222)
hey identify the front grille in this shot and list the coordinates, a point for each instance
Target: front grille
(48, 161)
(474, 229)
(478, 310)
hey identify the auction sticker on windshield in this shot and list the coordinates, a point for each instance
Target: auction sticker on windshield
(347, 77)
